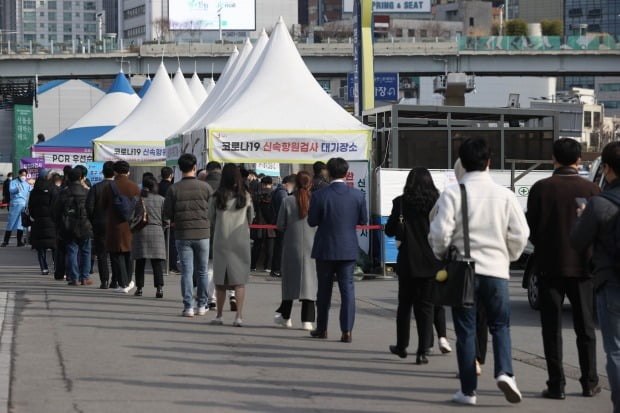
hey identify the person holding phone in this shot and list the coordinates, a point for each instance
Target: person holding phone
(551, 214)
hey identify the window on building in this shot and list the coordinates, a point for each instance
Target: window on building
(42, 25)
(51, 5)
(41, 3)
(67, 38)
(67, 28)
(136, 11)
(597, 119)
(135, 32)
(41, 36)
(30, 16)
(577, 12)
(471, 22)
(90, 28)
(52, 37)
(587, 119)
(611, 104)
(423, 33)
(90, 17)
(67, 16)
(594, 28)
(30, 4)
(77, 14)
(609, 87)
(30, 37)
(66, 5)
(42, 14)
(30, 27)
(90, 5)
(78, 26)
(51, 27)
(51, 16)
(594, 13)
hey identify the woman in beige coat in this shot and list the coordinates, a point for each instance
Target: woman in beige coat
(231, 213)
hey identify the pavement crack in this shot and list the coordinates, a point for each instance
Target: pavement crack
(63, 370)
(77, 409)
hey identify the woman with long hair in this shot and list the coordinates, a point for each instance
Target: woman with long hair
(416, 265)
(149, 242)
(43, 231)
(231, 212)
(298, 268)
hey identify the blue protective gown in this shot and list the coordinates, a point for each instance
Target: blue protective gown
(19, 199)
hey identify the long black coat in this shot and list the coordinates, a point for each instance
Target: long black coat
(43, 234)
(415, 256)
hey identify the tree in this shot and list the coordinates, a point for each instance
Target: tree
(161, 27)
(516, 27)
(551, 27)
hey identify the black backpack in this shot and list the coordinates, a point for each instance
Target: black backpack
(122, 204)
(74, 221)
(615, 198)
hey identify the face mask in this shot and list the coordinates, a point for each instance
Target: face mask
(22, 178)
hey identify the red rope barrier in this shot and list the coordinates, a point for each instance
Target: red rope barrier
(359, 227)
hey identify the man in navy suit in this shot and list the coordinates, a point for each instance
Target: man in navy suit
(336, 210)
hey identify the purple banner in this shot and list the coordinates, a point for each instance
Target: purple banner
(32, 166)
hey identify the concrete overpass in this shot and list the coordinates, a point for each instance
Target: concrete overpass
(325, 59)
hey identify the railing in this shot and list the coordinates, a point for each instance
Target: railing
(592, 42)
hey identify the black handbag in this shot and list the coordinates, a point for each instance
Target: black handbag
(401, 229)
(26, 218)
(454, 284)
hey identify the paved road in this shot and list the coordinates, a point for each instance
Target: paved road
(80, 349)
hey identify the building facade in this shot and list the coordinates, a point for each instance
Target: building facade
(599, 16)
(534, 11)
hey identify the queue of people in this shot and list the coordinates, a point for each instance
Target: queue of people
(571, 224)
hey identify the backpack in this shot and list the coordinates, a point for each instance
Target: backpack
(267, 210)
(615, 199)
(122, 204)
(74, 222)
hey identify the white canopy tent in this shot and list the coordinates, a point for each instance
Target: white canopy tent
(185, 94)
(198, 90)
(210, 86)
(140, 138)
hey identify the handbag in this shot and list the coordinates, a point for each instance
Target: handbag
(454, 284)
(140, 217)
(26, 218)
(401, 227)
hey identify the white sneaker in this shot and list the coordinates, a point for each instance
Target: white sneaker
(508, 385)
(130, 286)
(120, 290)
(188, 313)
(202, 310)
(238, 322)
(460, 398)
(444, 346)
(217, 321)
(308, 326)
(282, 322)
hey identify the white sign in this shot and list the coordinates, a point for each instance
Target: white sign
(204, 14)
(347, 6)
(357, 177)
(147, 154)
(268, 168)
(402, 6)
(287, 146)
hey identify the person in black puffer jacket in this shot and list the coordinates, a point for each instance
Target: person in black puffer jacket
(43, 232)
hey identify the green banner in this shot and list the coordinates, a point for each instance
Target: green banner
(23, 133)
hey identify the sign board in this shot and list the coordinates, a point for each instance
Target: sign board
(402, 6)
(268, 168)
(95, 172)
(143, 153)
(357, 177)
(303, 146)
(58, 158)
(23, 133)
(32, 166)
(237, 15)
(173, 150)
(386, 86)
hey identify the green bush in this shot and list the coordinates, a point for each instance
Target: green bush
(516, 27)
(551, 27)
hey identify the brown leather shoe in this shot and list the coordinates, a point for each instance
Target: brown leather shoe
(318, 334)
(346, 337)
(88, 282)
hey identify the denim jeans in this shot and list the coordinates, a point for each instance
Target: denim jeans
(78, 259)
(492, 292)
(193, 252)
(608, 302)
(42, 256)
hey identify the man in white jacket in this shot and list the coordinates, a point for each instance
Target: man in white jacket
(498, 234)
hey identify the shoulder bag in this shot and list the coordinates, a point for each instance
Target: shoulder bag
(454, 283)
(140, 217)
(401, 230)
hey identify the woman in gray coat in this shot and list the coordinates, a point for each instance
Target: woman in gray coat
(231, 213)
(299, 281)
(149, 242)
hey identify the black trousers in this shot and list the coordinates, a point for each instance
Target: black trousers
(172, 254)
(482, 333)
(308, 311)
(102, 256)
(416, 293)
(121, 267)
(580, 293)
(158, 272)
(60, 266)
(277, 252)
(257, 247)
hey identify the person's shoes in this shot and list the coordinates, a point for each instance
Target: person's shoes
(217, 321)
(307, 325)
(72, 283)
(212, 306)
(130, 286)
(233, 304)
(138, 292)
(87, 281)
(267, 270)
(188, 312)
(508, 385)
(202, 310)
(444, 346)
(4, 244)
(113, 285)
(45, 272)
(318, 334)
(252, 269)
(402, 353)
(104, 285)
(238, 322)
(478, 368)
(159, 293)
(346, 337)
(121, 290)
(421, 359)
(21, 244)
(553, 394)
(592, 391)
(461, 398)
(275, 274)
(282, 322)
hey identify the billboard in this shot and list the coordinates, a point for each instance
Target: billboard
(239, 15)
(386, 86)
(402, 6)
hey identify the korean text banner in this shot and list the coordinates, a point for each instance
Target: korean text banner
(32, 166)
(23, 133)
(58, 158)
(144, 153)
(287, 146)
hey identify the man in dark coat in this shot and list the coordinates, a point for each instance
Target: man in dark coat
(319, 181)
(72, 218)
(99, 220)
(279, 194)
(6, 194)
(551, 213)
(167, 179)
(336, 210)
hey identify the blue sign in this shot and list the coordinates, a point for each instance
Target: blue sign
(386, 86)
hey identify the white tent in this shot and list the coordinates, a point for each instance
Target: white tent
(74, 144)
(210, 86)
(198, 90)
(185, 94)
(281, 114)
(139, 139)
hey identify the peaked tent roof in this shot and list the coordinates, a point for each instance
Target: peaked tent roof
(210, 86)
(197, 89)
(145, 87)
(186, 96)
(108, 112)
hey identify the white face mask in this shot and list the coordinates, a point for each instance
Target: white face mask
(22, 178)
